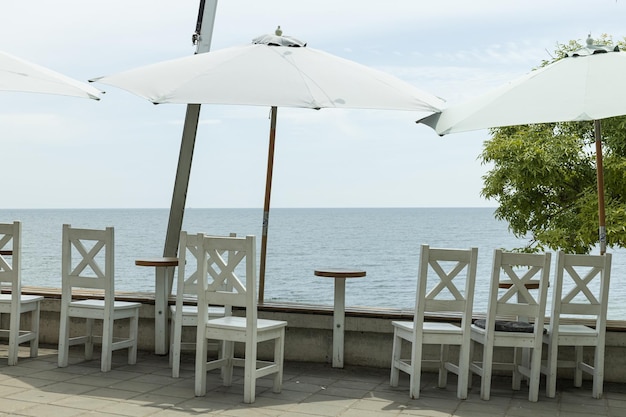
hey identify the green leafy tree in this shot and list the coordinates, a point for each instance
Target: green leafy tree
(543, 177)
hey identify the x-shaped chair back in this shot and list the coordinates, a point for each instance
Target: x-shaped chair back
(190, 250)
(88, 259)
(10, 244)
(443, 281)
(581, 286)
(227, 265)
(512, 277)
(190, 254)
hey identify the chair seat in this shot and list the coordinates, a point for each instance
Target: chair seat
(27, 303)
(575, 330)
(99, 304)
(189, 310)
(508, 326)
(6, 298)
(429, 327)
(233, 322)
(510, 335)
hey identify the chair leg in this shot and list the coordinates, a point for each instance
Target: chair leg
(443, 372)
(175, 347)
(34, 328)
(487, 365)
(107, 340)
(89, 342)
(598, 373)
(133, 327)
(14, 333)
(201, 367)
(518, 360)
(535, 374)
(470, 362)
(249, 373)
(463, 375)
(416, 370)
(279, 353)
(395, 357)
(551, 370)
(227, 369)
(64, 335)
(578, 373)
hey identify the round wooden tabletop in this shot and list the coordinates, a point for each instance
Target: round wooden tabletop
(339, 273)
(162, 261)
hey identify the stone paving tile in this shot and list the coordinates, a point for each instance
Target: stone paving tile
(37, 387)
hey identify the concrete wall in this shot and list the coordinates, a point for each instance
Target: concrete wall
(368, 340)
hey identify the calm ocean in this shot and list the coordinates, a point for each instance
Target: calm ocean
(383, 241)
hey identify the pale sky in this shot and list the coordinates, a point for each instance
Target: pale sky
(61, 152)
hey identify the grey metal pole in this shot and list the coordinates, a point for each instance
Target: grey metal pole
(202, 37)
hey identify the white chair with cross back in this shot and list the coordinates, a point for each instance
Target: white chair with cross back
(184, 313)
(87, 263)
(515, 319)
(15, 303)
(445, 285)
(581, 292)
(228, 278)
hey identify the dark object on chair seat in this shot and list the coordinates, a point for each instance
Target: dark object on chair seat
(509, 326)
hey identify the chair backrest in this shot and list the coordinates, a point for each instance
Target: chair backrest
(10, 256)
(581, 287)
(189, 251)
(445, 282)
(511, 295)
(87, 261)
(228, 269)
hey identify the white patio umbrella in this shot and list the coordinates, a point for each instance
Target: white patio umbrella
(585, 85)
(19, 75)
(272, 71)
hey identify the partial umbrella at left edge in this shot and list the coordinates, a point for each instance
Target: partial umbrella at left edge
(19, 75)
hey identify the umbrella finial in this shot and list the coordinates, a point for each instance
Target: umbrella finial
(278, 31)
(592, 49)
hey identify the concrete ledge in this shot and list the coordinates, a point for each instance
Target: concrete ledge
(368, 337)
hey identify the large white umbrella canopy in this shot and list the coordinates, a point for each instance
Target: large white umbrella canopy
(276, 71)
(19, 75)
(262, 74)
(585, 85)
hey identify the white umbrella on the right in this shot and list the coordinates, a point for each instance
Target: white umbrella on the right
(586, 85)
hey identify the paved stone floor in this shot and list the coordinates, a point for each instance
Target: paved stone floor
(37, 387)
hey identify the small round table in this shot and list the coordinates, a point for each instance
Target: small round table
(340, 275)
(164, 277)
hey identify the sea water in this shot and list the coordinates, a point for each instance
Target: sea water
(385, 242)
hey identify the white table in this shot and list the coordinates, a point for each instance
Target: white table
(164, 277)
(340, 275)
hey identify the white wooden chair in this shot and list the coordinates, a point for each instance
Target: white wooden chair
(438, 292)
(230, 262)
(581, 291)
(186, 315)
(515, 319)
(15, 303)
(88, 263)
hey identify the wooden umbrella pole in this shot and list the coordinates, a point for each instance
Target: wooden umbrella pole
(266, 205)
(600, 170)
